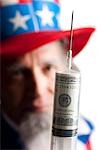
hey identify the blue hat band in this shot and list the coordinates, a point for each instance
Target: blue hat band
(29, 17)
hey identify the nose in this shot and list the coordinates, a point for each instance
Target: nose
(40, 83)
(40, 89)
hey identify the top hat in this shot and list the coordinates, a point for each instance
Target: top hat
(28, 24)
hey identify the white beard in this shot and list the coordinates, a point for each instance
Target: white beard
(36, 131)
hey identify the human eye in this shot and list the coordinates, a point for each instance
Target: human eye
(48, 69)
(15, 72)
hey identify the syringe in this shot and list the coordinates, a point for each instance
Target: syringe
(66, 105)
(69, 52)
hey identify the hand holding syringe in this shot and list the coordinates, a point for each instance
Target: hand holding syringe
(66, 105)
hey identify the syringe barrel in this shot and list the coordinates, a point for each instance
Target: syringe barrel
(63, 143)
(66, 111)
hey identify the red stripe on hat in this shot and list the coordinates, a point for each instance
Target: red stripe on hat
(23, 43)
(88, 146)
(25, 1)
(57, 1)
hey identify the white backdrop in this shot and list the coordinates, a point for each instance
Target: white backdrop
(86, 13)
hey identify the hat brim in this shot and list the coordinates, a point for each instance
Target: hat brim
(21, 44)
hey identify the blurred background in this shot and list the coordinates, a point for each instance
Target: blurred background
(86, 13)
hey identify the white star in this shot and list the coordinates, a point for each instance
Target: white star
(19, 21)
(46, 16)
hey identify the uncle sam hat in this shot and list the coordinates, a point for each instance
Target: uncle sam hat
(28, 24)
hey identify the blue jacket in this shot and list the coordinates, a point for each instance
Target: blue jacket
(10, 139)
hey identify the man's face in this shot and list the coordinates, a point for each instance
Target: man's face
(28, 83)
(28, 92)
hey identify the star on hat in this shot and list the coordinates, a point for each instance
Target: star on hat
(19, 21)
(46, 16)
